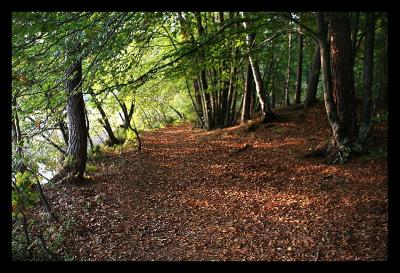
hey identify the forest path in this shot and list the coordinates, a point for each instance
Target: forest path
(194, 195)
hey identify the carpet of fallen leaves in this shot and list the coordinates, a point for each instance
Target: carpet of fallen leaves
(230, 194)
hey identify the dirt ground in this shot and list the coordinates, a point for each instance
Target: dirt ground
(240, 193)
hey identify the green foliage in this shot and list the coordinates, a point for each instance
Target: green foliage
(94, 152)
(69, 160)
(23, 196)
(373, 153)
(380, 117)
(130, 135)
(121, 133)
(90, 168)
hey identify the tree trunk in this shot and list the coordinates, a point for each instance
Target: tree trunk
(18, 135)
(247, 95)
(233, 106)
(88, 127)
(311, 97)
(77, 148)
(355, 28)
(64, 131)
(105, 122)
(287, 83)
(273, 90)
(265, 109)
(199, 113)
(338, 86)
(203, 78)
(383, 87)
(327, 78)
(299, 69)
(366, 124)
(342, 74)
(231, 96)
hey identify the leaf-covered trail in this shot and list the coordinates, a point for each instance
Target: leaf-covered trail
(194, 195)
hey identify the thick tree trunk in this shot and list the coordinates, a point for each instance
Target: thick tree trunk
(365, 127)
(338, 86)
(299, 69)
(247, 95)
(342, 74)
(77, 148)
(311, 97)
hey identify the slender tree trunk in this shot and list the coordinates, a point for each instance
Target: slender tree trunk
(77, 148)
(273, 88)
(233, 106)
(197, 88)
(366, 123)
(287, 83)
(199, 113)
(231, 95)
(14, 133)
(105, 122)
(327, 78)
(383, 87)
(265, 109)
(88, 127)
(311, 97)
(355, 28)
(203, 78)
(64, 131)
(18, 135)
(247, 95)
(299, 69)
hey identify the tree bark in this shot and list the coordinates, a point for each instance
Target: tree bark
(287, 82)
(64, 131)
(77, 148)
(105, 122)
(247, 95)
(311, 97)
(342, 74)
(273, 88)
(88, 127)
(203, 79)
(327, 78)
(355, 28)
(366, 124)
(383, 87)
(18, 135)
(265, 109)
(299, 69)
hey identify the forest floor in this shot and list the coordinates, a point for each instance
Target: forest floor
(230, 194)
